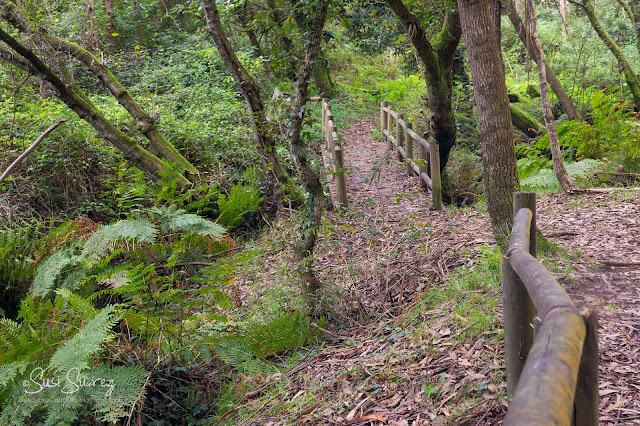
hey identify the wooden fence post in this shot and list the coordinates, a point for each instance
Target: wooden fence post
(390, 120)
(324, 115)
(399, 136)
(384, 123)
(341, 181)
(422, 164)
(518, 308)
(408, 142)
(436, 182)
(587, 398)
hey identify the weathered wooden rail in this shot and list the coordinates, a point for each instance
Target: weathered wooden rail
(552, 358)
(403, 144)
(336, 154)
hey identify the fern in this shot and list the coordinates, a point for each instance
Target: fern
(545, 180)
(177, 220)
(239, 355)
(128, 388)
(76, 352)
(242, 200)
(135, 230)
(50, 271)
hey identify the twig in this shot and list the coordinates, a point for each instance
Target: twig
(327, 332)
(31, 148)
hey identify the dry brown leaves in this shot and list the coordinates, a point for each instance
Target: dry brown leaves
(377, 259)
(606, 230)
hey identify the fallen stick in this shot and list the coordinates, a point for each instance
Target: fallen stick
(31, 148)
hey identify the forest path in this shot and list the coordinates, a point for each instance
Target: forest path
(605, 229)
(396, 243)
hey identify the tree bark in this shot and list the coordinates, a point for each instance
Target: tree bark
(112, 28)
(623, 62)
(251, 92)
(159, 145)
(437, 58)
(563, 96)
(77, 101)
(500, 176)
(304, 249)
(558, 166)
(241, 14)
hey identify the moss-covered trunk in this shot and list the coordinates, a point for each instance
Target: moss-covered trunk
(623, 62)
(251, 92)
(437, 57)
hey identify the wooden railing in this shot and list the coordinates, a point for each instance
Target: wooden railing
(552, 358)
(403, 144)
(336, 154)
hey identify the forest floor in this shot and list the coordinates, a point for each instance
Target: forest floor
(414, 337)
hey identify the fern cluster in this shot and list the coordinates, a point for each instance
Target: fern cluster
(17, 263)
(51, 368)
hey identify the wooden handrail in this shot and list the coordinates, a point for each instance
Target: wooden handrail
(402, 142)
(561, 358)
(336, 154)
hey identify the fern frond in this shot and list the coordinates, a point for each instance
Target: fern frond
(50, 270)
(9, 371)
(75, 353)
(125, 386)
(78, 303)
(136, 230)
(239, 355)
(193, 224)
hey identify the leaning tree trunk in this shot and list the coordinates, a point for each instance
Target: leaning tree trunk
(558, 166)
(78, 102)
(159, 145)
(556, 85)
(623, 62)
(304, 249)
(500, 177)
(250, 91)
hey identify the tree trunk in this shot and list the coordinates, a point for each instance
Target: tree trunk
(558, 166)
(77, 101)
(563, 96)
(91, 9)
(112, 28)
(159, 145)
(623, 62)
(500, 177)
(241, 14)
(526, 123)
(251, 92)
(304, 249)
(437, 59)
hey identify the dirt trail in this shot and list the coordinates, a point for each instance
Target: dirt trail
(389, 243)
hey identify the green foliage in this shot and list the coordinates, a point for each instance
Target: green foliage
(17, 264)
(50, 365)
(545, 180)
(242, 199)
(134, 235)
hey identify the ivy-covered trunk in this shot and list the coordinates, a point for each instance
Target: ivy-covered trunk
(251, 92)
(304, 249)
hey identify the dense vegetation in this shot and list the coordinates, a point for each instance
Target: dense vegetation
(120, 249)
